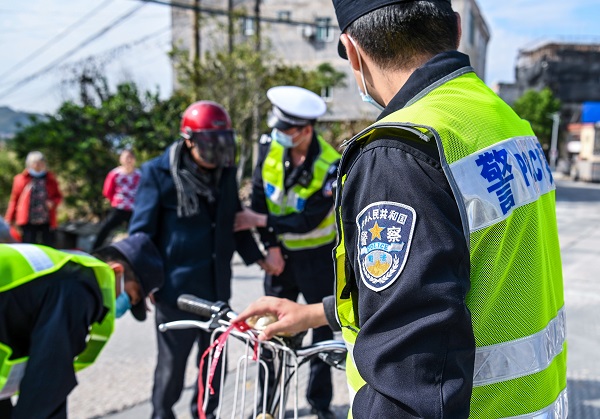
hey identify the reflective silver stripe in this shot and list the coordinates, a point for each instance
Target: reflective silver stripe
(314, 234)
(36, 257)
(520, 357)
(276, 195)
(292, 200)
(498, 179)
(557, 410)
(13, 381)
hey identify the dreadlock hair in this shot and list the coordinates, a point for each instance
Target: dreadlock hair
(397, 36)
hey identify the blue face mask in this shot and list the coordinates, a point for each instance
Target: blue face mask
(35, 173)
(365, 96)
(282, 138)
(123, 303)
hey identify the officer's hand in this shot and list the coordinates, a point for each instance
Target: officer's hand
(292, 317)
(265, 266)
(275, 260)
(247, 219)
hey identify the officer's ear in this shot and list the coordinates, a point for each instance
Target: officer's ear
(119, 270)
(307, 129)
(117, 267)
(459, 31)
(351, 52)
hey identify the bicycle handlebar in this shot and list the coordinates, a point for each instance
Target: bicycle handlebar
(204, 308)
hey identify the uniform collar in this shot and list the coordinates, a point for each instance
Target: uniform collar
(432, 71)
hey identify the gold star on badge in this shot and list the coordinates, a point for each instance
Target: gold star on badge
(376, 231)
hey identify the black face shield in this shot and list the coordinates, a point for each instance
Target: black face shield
(216, 146)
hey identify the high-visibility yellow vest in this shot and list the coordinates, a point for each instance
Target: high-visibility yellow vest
(506, 197)
(281, 203)
(22, 263)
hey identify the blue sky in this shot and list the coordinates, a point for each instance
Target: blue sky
(518, 24)
(26, 26)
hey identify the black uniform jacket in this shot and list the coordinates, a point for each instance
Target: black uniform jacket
(196, 250)
(48, 319)
(415, 348)
(317, 205)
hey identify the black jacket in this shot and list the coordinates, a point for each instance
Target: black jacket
(416, 347)
(196, 250)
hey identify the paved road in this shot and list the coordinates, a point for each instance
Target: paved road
(118, 386)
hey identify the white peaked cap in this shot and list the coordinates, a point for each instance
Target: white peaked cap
(297, 102)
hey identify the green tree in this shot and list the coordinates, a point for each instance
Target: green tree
(537, 108)
(82, 141)
(10, 167)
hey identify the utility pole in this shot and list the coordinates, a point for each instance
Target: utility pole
(257, 19)
(196, 30)
(196, 56)
(230, 24)
(554, 142)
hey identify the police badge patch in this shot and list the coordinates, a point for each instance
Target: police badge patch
(385, 232)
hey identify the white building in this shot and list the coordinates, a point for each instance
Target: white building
(305, 33)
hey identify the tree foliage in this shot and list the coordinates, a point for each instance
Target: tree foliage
(537, 108)
(10, 167)
(82, 141)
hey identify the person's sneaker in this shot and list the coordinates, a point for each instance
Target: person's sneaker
(323, 413)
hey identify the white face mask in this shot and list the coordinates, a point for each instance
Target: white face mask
(365, 96)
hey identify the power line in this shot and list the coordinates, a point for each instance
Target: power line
(224, 12)
(89, 40)
(104, 56)
(57, 37)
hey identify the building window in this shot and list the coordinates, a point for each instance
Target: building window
(248, 28)
(324, 30)
(284, 15)
(326, 93)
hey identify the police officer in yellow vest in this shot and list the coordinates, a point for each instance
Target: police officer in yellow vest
(292, 204)
(57, 310)
(449, 281)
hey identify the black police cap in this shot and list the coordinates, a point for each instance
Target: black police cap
(347, 11)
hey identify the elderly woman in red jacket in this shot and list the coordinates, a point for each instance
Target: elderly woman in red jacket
(33, 201)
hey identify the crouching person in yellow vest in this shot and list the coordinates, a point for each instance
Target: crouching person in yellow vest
(57, 311)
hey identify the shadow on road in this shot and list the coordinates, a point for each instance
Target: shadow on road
(584, 399)
(569, 191)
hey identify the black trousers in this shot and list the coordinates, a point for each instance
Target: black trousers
(310, 272)
(37, 234)
(115, 218)
(174, 348)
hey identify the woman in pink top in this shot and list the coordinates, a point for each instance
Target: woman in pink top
(120, 187)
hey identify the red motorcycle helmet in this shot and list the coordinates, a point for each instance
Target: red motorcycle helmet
(208, 126)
